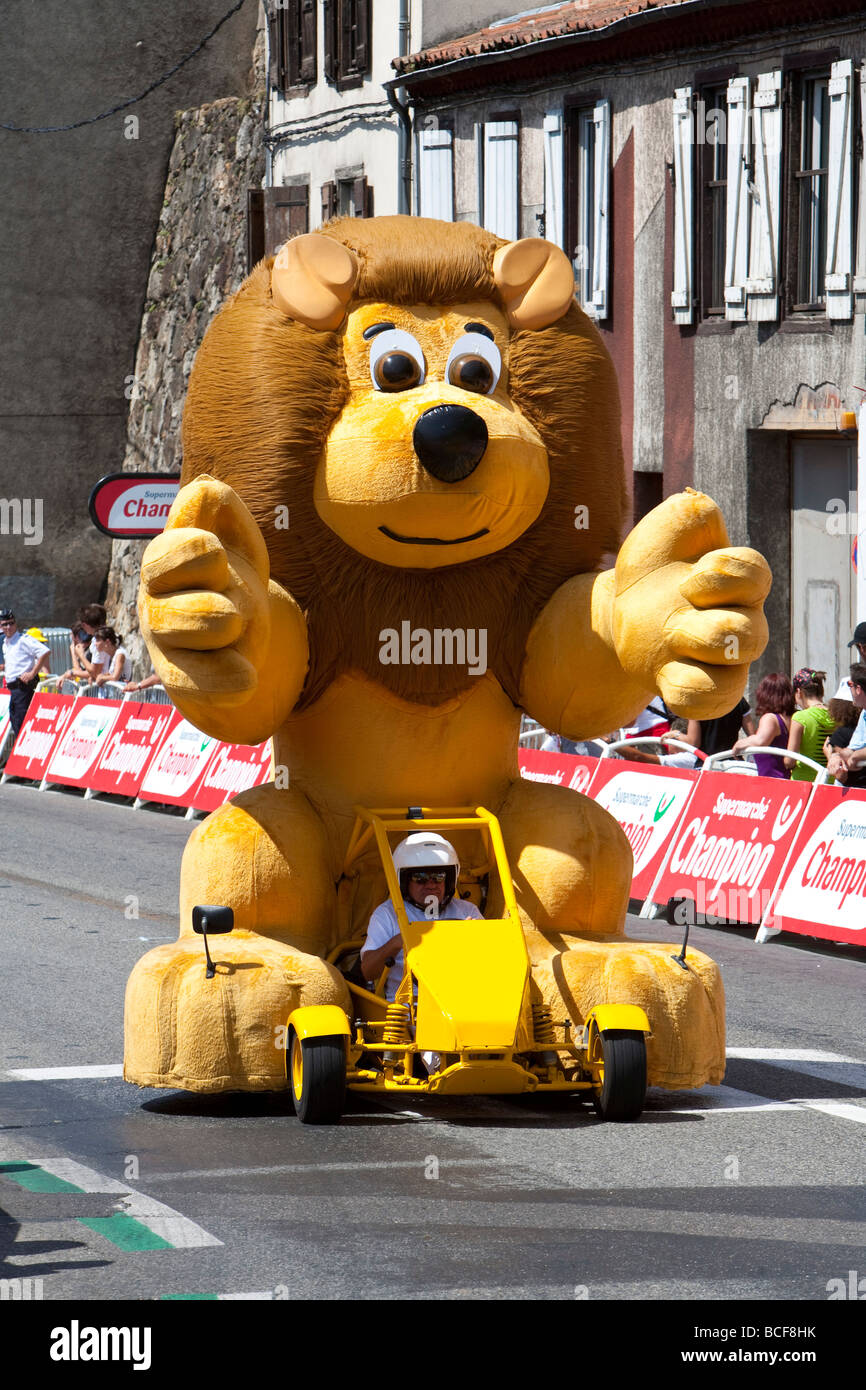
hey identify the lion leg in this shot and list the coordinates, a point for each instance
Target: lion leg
(266, 856)
(571, 866)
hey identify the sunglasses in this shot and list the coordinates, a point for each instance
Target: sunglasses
(437, 877)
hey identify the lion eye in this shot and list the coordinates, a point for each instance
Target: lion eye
(396, 361)
(474, 364)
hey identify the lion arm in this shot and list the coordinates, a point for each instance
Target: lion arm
(572, 681)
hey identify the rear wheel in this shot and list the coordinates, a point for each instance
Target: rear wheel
(622, 1081)
(317, 1078)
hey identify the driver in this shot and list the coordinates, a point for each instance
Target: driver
(427, 867)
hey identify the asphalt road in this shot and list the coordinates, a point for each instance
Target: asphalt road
(754, 1189)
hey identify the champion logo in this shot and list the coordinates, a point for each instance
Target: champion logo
(784, 819)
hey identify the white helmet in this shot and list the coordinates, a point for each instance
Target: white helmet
(427, 850)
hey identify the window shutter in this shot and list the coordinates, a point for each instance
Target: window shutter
(762, 284)
(737, 223)
(553, 178)
(436, 172)
(287, 210)
(274, 38)
(329, 19)
(359, 197)
(500, 179)
(860, 264)
(601, 120)
(362, 34)
(308, 41)
(839, 273)
(255, 226)
(329, 201)
(368, 202)
(682, 293)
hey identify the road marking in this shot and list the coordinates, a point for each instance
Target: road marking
(837, 1108)
(139, 1222)
(266, 1296)
(65, 1073)
(724, 1100)
(787, 1054)
(355, 1166)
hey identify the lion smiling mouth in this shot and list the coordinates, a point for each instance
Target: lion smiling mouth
(432, 540)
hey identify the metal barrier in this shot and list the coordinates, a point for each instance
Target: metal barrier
(611, 748)
(710, 764)
(532, 734)
(154, 694)
(57, 640)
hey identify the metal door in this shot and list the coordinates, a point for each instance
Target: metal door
(823, 536)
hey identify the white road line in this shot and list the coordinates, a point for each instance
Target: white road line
(76, 1173)
(723, 1101)
(65, 1073)
(787, 1054)
(355, 1166)
(839, 1108)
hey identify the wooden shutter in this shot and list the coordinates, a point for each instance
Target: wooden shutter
(255, 226)
(329, 20)
(501, 200)
(601, 195)
(274, 51)
(553, 178)
(362, 33)
(762, 283)
(737, 220)
(436, 172)
(308, 41)
(682, 294)
(329, 201)
(860, 263)
(360, 198)
(287, 209)
(838, 286)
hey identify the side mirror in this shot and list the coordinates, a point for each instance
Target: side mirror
(216, 920)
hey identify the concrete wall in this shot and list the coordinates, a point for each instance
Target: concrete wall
(78, 217)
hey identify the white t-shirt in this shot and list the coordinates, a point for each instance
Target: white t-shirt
(20, 652)
(384, 925)
(125, 670)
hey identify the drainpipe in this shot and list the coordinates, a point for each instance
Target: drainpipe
(397, 100)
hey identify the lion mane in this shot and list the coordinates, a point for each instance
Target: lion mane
(266, 390)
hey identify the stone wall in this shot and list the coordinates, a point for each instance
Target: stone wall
(198, 261)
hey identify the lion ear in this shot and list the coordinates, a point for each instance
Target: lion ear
(312, 279)
(535, 280)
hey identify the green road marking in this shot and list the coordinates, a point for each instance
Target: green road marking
(189, 1297)
(125, 1232)
(35, 1179)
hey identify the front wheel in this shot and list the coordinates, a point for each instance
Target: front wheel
(317, 1078)
(622, 1075)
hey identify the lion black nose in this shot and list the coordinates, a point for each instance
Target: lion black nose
(450, 441)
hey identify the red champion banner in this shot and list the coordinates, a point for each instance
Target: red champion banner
(78, 748)
(649, 804)
(4, 715)
(134, 739)
(233, 768)
(44, 723)
(563, 769)
(732, 845)
(177, 765)
(823, 892)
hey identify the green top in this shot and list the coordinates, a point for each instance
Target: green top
(817, 724)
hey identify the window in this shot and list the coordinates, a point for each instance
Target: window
(292, 45)
(347, 41)
(713, 182)
(587, 210)
(819, 260)
(499, 177)
(350, 196)
(287, 213)
(435, 170)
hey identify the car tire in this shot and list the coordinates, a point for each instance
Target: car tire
(622, 1092)
(317, 1078)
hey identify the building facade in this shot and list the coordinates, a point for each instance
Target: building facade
(702, 165)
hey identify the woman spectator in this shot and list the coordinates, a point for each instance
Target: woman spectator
(81, 648)
(811, 724)
(774, 706)
(117, 661)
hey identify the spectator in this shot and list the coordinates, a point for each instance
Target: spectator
(23, 659)
(718, 735)
(681, 758)
(653, 721)
(858, 641)
(558, 743)
(152, 679)
(774, 706)
(848, 765)
(811, 724)
(116, 661)
(845, 715)
(87, 620)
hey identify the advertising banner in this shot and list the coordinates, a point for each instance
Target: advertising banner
(564, 769)
(177, 764)
(4, 715)
(732, 844)
(82, 741)
(43, 724)
(649, 804)
(134, 738)
(824, 889)
(233, 768)
(133, 504)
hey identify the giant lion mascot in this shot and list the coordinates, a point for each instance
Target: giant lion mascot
(401, 427)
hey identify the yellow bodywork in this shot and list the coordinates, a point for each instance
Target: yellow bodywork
(319, 1021)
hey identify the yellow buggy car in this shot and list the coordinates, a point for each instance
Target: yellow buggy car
(465, 998)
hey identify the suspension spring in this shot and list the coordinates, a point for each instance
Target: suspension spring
(397, 1029)
(542, 1026)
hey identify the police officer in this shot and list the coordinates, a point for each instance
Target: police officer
(23, 659)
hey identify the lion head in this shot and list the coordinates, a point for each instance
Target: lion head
(416, 442)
